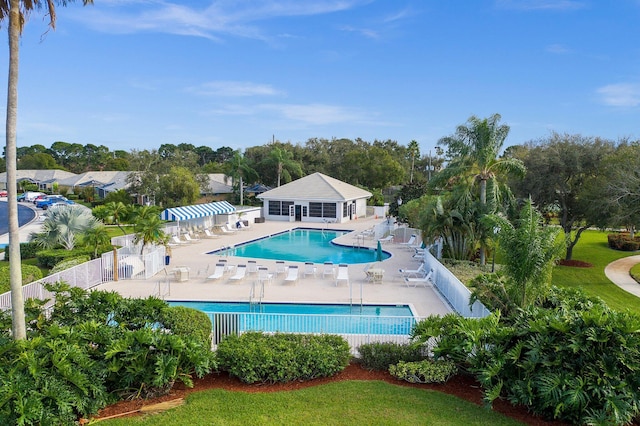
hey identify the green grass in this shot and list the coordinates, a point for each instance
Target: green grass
(114, 231)
(339, 403)
(592, 247)
(635, 272)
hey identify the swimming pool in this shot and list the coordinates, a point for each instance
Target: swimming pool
(307, 318)
(303, 245)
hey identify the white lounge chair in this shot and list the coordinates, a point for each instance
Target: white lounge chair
(228, 227)
(280, 267)
(310, 269)
(329, 269)
(218, 272)
(411, 242)
(241, 272)
(252, 267)
(264, 276)
(175, 240)
(187, 238)
(413, 273)
(209, 234)
(292, 274)
(240, 225)
(343, 274)
(387, 239)
(425, 281)
(225, 230)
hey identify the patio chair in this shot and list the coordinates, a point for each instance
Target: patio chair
(280, 267)
(292, 274)
(202, 272)
(187, 238)
(240, 225)
(329, 269)
(310, 269)
(387, 239)
(411, 242)
(425, 281)
(176, 241)
(264, 276)
(226, 230)
(366, 272)
(252, 266)
(343, 274)
(209, 234)
(218, 272)
(241, 271)
(413, 273)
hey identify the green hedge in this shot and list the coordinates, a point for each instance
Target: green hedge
(622, 241)
(257, 357)
(50, 258)
(27, 251)
(425, 371)
(30, 274)
(379, 356)
(185, 321)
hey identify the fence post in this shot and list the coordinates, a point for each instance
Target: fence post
(115, 263)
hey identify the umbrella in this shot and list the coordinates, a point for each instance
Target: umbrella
(379, 252)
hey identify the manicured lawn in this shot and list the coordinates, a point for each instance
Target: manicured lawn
(592, 247)
(340, 403)
(114, 231)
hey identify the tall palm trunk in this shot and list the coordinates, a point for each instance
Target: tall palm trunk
(483, 202)
(15, 270)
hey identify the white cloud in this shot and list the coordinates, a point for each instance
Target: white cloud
(316, 114)
(234, 89)
(620, 95)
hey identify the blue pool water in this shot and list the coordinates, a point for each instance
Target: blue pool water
(25, 215)
(308, 318)
(304, 245)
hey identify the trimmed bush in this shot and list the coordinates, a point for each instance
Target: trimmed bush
(70, 263)
(50, 258)
(379, 356)
(425, 371)
(622, 241)
(184, 321)
(272, 358)
(30, 274)
(27, 251)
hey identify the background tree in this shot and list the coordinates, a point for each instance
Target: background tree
(474, 151)
(238, 171)
(96, 237)
(63, 227)
(37, 161)
(116, 211)
(414, 152)
(285, 164)
(16, 13)
(559, 174)
(149, 230)
(179, 187)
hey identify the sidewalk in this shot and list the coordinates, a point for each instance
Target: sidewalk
(618, 272)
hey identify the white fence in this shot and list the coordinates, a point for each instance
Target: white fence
(356, 329)
(454, 292)
(132, 264)
(86, 275)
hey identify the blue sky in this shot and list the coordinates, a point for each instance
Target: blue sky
(134, 74)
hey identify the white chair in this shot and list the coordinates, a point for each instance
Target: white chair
(387, 239)
(226, 230)
(366, 272)
(413, 273)
(425, 281)
(241, 271)
(177, 241)
(209, 234)
(411, 242)
(292, 274)
(188, 239)
(240, 225)
(252, 266)
(228, 227)
(309, 269)
(218, 272)
(343, 274)
(329, 269)
(280, 267)
(202, 272)
(264, 276)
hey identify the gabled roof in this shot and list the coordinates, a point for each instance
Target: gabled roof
(50, 175)
(316, 186)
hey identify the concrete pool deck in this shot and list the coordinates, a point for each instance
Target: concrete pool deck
(308, 289)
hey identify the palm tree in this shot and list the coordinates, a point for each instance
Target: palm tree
(117, 210)
(285, 164)
(16, 12)
(474, 150)
(237, 169)
(96, 237)
(150, 230)
(63, 226)
(414, 151)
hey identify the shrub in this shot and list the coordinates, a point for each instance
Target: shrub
(425, 371)
(622, 241)
(257, 357)
(70, 263)
(379, 356)
(50, 258)
(27, 251)
(184, 321)
(30, 274)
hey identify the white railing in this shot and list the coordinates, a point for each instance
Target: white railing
(132, 264)
(85, 275)
(356, 329)
(453, 291)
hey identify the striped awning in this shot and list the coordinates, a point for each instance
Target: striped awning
(197, 210)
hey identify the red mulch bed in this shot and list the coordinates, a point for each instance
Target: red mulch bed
(575, 263)
(461, 386)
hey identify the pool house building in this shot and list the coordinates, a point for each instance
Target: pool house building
(315, 198)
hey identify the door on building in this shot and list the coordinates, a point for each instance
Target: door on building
(298, 213)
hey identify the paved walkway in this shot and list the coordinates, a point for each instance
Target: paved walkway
(618, 272)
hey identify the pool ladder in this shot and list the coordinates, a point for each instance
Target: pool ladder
(255, 299)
